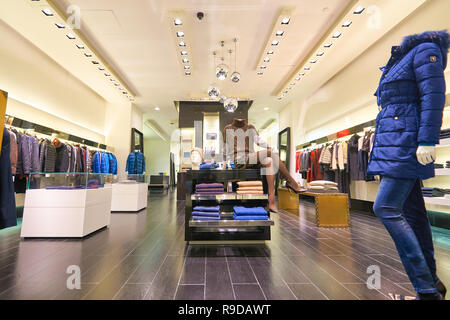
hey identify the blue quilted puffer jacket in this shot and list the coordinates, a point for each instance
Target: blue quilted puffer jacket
(104, 162)
(411, 96)
(135, 163)
(112, 163)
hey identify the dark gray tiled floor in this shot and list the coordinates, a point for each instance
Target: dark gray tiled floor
(144, 256)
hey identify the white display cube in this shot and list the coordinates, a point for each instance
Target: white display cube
(65, 213)
(129, 197)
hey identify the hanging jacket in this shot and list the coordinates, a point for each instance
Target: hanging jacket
(50, 157)
(104, 162)
(112, 164)
(135, 163)
(411, 95)
(25, 152)
(13, 151)
(62, 158)
(96, 162)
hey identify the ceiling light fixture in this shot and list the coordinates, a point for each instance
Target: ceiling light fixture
(275, 42)
(307, 68)
(47, 12)
(95, 62)
(185, 60)
(182, 44)
(292, 83)
(320, 53)
(107, 75)
(188, 73)
(270, 52)
(259, 73)
(313, 61)
(101, 68)
(266, 108)
(88, 55)
(180, 34)
(301, 74)
(230, 104)
(80, 46)
(187, 67)
(177, 22)
(358, 10)
(183, 52)
(327, 45)
(297, 79)
(279, 33)
(347, 24)
(221, 69)
(213, 91)
(266, 59)
(263, 67)
(70, 36)
(235, 76)
(337, 34)
(59, 26)
(285, 21)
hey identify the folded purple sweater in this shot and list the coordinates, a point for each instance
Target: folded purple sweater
(208, 185)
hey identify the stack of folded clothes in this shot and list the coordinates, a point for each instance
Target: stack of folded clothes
(250, 187)
(435, 192)
(323, 185)
(447, 164)
(209, 188)
(445, 134)
(438, 166)
(206, 213)
(255, 213)
(209, 165)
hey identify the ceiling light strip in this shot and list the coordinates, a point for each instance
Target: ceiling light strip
(179, 28)
(82, 43)
(319, 47)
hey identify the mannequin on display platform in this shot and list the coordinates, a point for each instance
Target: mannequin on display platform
(239, 139)
(411, 96)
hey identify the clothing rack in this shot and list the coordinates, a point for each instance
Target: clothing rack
(338, 136)
(20, 124)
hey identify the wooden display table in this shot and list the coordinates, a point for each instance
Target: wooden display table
(332, 209)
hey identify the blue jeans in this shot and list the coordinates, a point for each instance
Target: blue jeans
(401, 208)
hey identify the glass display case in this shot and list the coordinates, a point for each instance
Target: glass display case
(69, 181)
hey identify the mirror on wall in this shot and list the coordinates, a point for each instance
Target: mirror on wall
(284, 148)
(137, 140)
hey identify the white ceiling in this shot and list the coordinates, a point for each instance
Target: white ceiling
(136, 39)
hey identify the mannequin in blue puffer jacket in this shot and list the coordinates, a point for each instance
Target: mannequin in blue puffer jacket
(411, 98)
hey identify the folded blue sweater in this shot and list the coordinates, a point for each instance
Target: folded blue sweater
(259, 217)
(206, 209)
(205, 218)
(256, 211)
(209, 166)
(205, 214)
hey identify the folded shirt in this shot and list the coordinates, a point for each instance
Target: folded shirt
(209, 185)
(249, 183)
(205, 214)
(209, 166)
(205, 218)
(249, 192)
(261, 217)
(210, 190)
(251, 188)
(239, 210)
(323, 183)
(206, 209)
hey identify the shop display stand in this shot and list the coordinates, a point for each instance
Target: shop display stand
(225, 229)
(129, 197)
(65, 213)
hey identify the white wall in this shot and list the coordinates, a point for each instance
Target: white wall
(31, 77)
(157, 156)
(347, 99)
(137, 118)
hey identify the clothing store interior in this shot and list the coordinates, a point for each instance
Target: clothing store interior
(224, 150)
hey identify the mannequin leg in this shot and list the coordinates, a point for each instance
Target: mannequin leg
(388, 207)
(263, 158)
(417, 217)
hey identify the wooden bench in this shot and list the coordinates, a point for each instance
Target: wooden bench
(332, 209)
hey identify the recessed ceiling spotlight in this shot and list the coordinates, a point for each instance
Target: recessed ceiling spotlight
(359, 10)
(267, 59)
(80, 46)
(107, 75)
(120, 89)
(60, 26)
(297, 79)
(70, 36)
(259, 73)
(177, 22)
(279, 98)
(313, 61)
(112, 80)
(188, 73)
(88, 55)
(187, 67)
(292, 83)
(101, 68)
(347, 24)
(266, 108)
(95, 62)
(263, 67)
(183, 52)
(289, 88)
(301, 74)
(270, 52)
(285, 20)
(275, 42)
(337, 34)
(185, 60)
(285, 91)
(327, 45)
(307, 68)
(320, 53)
(279, 33)
(180, 34)
(117, 84)
(182, 44)
(47, 12)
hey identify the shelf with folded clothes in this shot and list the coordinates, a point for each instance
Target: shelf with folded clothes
(229, 196)
(230, 223)
(442, 172)
(443, 201)
(241, 217)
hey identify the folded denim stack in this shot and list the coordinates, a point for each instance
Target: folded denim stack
(438, 166)
(206, 213)
(209, 188)
(209, 166)
(254, 213)
(250, 187)
(323, 185)
(435, 192)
